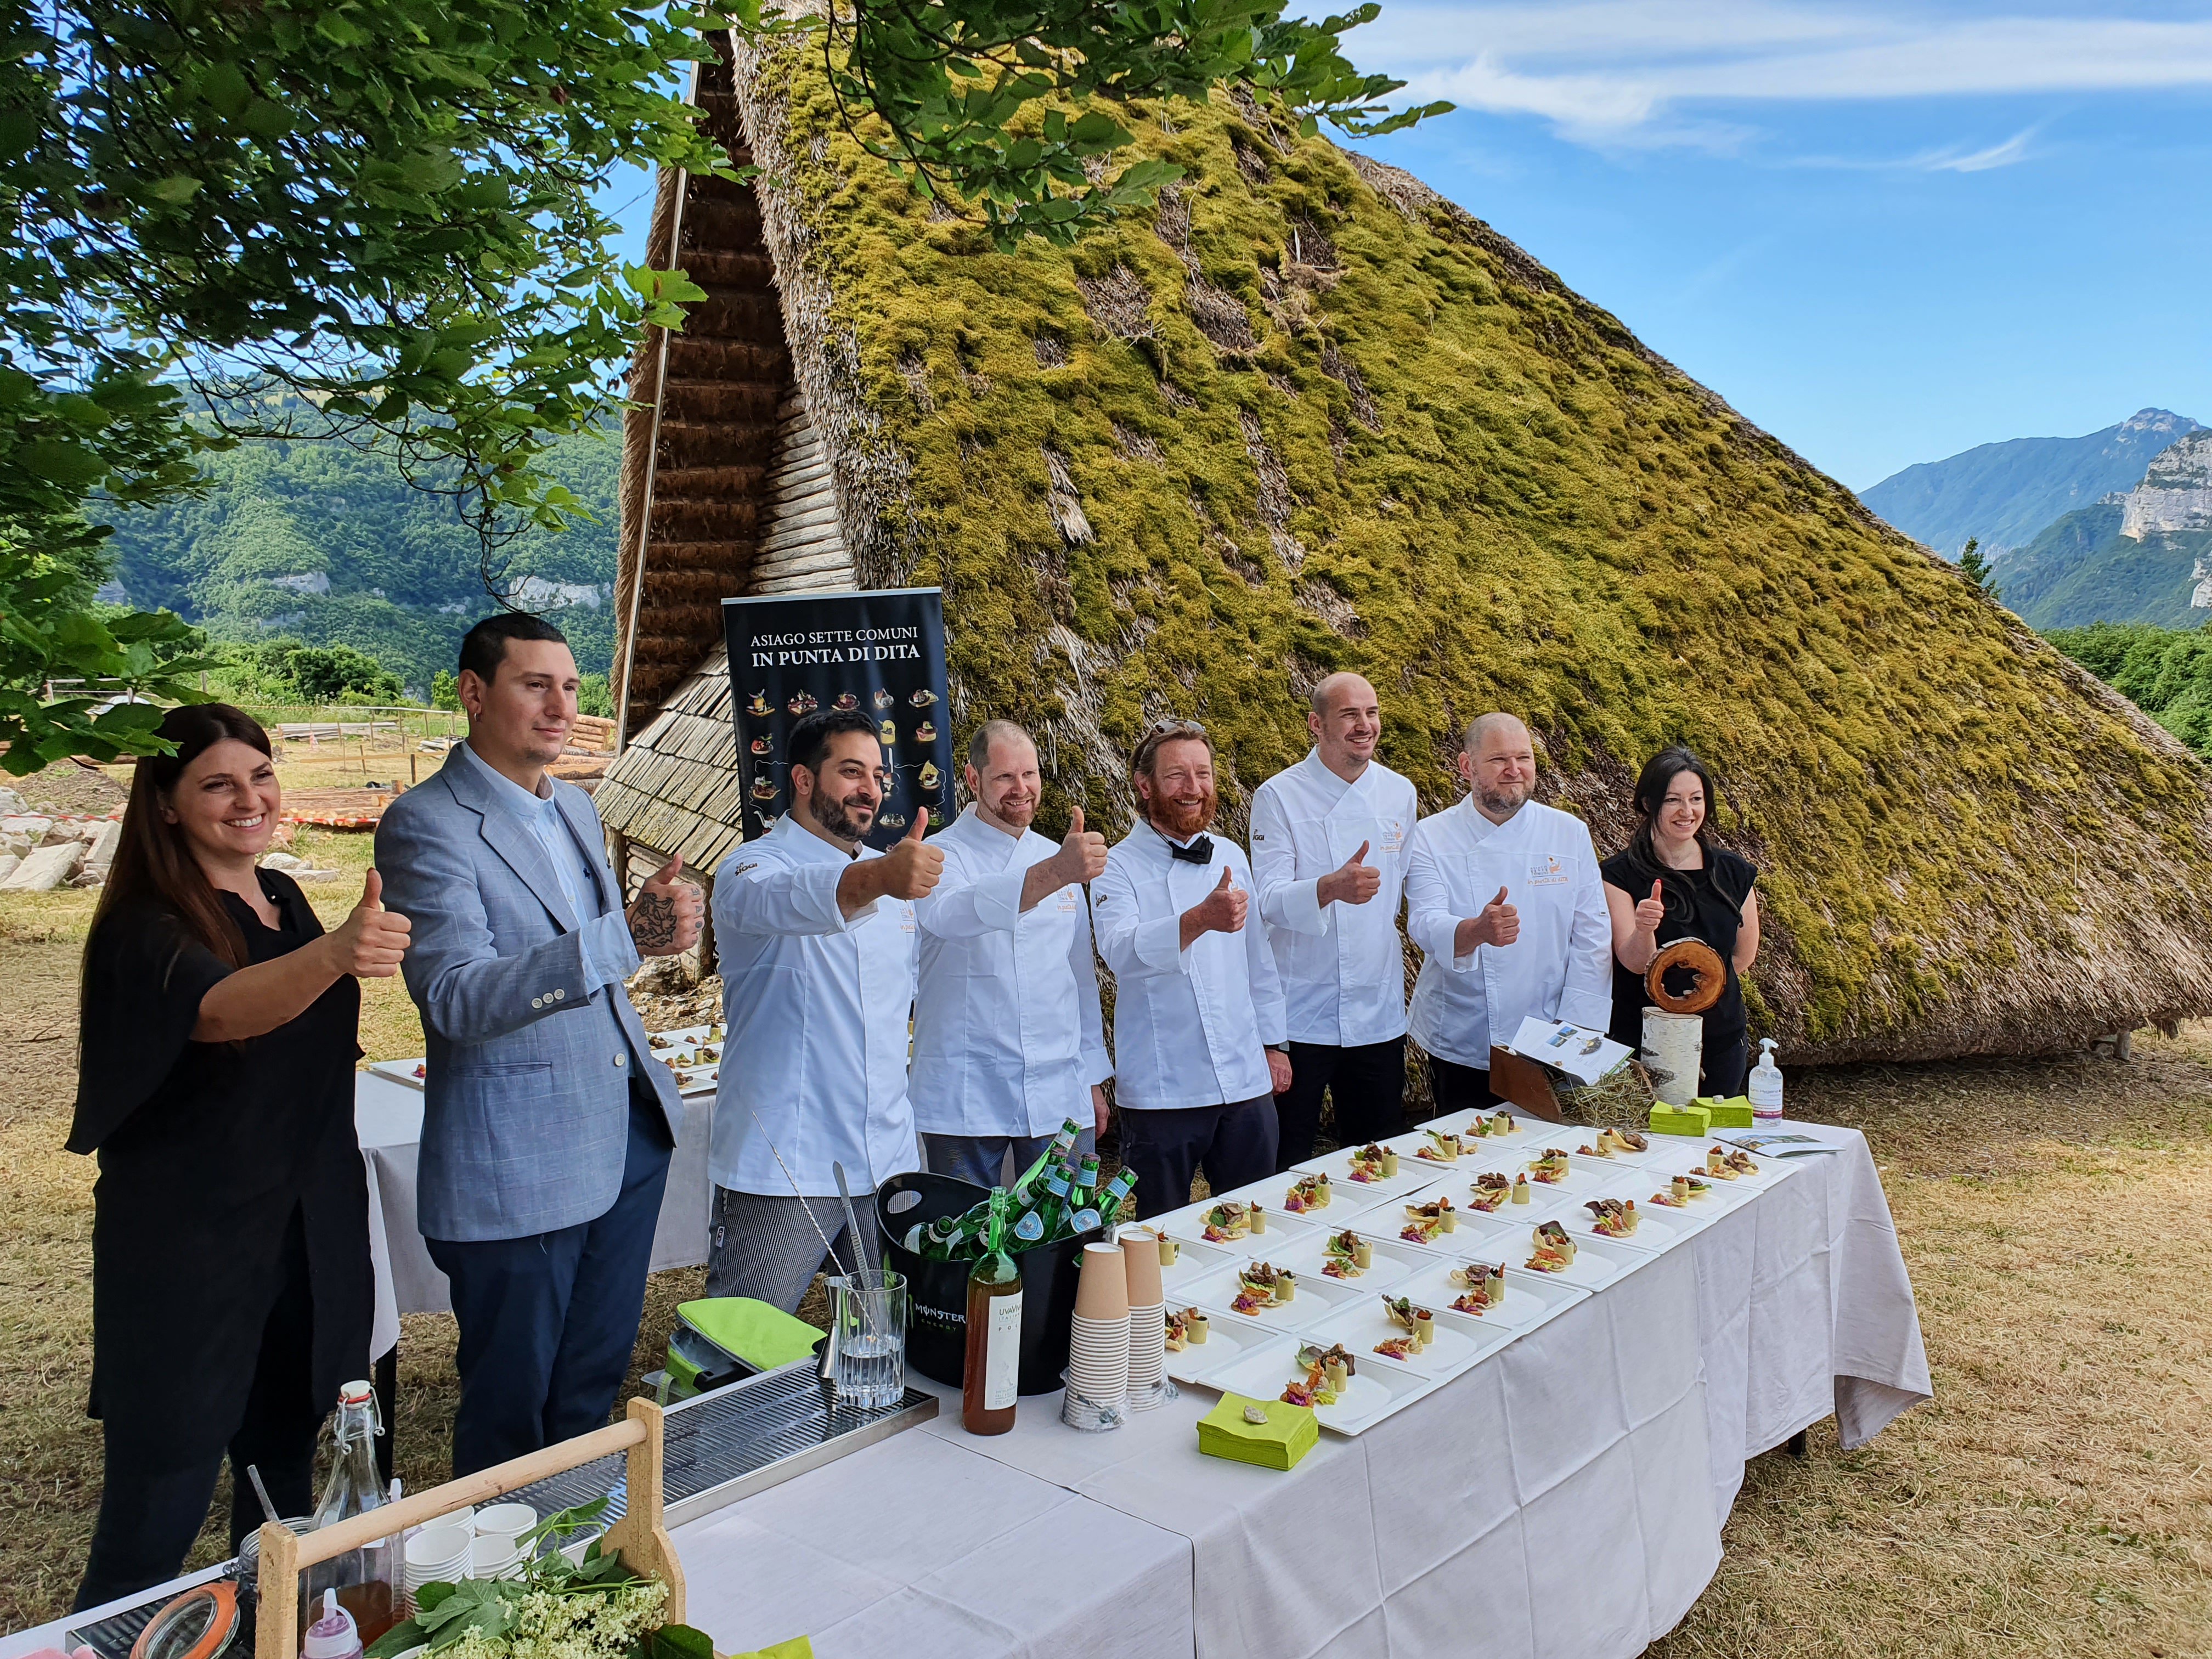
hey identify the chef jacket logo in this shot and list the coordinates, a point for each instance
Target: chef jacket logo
(1546, 869)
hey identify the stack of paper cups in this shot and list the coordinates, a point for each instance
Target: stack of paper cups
(1148, 1325)
(1098, 1343)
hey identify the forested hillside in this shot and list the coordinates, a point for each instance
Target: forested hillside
(318, 541)
(2082, 570)
(2166, 671)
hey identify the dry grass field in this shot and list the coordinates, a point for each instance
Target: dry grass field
(2056, 1216)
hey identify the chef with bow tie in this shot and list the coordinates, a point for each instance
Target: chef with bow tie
(1199, 1043)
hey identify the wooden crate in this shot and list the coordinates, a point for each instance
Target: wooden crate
(639, 1537)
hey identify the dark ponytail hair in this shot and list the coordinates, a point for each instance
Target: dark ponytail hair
(1652, 784)
(153, 864)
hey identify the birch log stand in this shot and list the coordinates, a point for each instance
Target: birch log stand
(639, 1537)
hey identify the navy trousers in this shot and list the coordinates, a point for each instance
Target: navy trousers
(548, 1321)
(1165, 1147)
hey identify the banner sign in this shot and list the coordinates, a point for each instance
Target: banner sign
(881, 654)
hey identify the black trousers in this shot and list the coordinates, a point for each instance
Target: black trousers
(1367, 1081)
(548, 1321)
(1234, 1144)
(149, 1514)
(1461, 1088)
(1726, 1064)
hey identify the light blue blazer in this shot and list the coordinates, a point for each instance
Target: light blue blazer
(526, 1124)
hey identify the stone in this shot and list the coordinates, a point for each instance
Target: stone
(290, 863)
(107, 835)
(33, 825)
(11, 804)
(8, 863)
(47, 868)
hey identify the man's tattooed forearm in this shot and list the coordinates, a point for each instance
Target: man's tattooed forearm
(653, 922)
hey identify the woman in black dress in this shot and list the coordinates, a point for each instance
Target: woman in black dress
(231, 1283)
(1672, 882)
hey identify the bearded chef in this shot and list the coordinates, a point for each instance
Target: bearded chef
(818, 937)
(1504, 896)
(1008, 1044)
(1198, 1008)
(1328, 863)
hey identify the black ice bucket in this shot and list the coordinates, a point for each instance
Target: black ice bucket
(937, 1323)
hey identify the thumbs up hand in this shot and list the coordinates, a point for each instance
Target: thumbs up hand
(911, 869)
(666, 916)
(1499, 924)
(1353, 882)
(369, 943)
(1651, 912)
(1082, 855)
(1221, 911)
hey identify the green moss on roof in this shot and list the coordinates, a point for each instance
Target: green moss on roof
(1436, 466)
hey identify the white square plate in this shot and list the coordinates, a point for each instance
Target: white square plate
(1657, 1228)
(1459, 1342)
(1314, 1299)
(1190, 1225)
(1412, 1172)
(1586, 1178)
(1192, 1261)
(1388, 1219)
(1530, 1299)
(1393, 1260)
(1225, 1344)
(1525, 1129)
(1374, 1394)
(1271, 1193)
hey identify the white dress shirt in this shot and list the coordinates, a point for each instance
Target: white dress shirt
(1007, 1036)
(1191, 1028)
(817, 1007)
(610, 953)
(1342, 965)
(1561, 966)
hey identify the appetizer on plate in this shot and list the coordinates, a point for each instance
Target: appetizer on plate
(1551, 1167)
(1170, 1250)
(1441, 1148)
(1374, 1162)
(1349, 1255)
(1262, 1285)
(1397, 1348)
(1424, 1221)
(1611, 1143)
(1614, 1218)
(1485, 1285)
(1555, 1250)
(1335, 1363)
(1729, 1162)
(1186, 1326)
(1500, 1123)
(1491, 1190)
(1671, 1200)
(1520, 1194)
(1229, 1221)
(1684, 1188)
(1416, 1321)
(1307, 1193)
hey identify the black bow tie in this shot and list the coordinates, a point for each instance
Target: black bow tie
(1199, 852)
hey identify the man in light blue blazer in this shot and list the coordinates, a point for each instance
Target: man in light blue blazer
(546, 1127)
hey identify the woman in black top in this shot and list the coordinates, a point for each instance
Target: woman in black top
(231, 1283)
(1672, 882)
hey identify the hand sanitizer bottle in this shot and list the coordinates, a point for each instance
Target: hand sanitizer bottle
(1766, 1085)
(333, 1635)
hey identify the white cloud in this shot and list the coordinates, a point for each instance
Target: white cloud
(2014, 148)
(1633, 72)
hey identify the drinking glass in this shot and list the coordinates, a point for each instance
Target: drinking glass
(867, 1337)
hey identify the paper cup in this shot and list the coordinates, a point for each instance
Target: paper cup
(1103, 1292)
(507, 1521)
(1143, 1262)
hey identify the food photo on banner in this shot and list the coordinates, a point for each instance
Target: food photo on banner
(881, 654)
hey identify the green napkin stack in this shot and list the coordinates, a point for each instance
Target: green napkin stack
(1733, 1113)
(757, 1334)
(1680, 1119)
(1288, 1434)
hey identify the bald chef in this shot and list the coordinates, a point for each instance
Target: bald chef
(1008, 1044)
(1328, 846)
(818, 939)
(1504, 896)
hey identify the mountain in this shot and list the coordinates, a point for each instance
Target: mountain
(2005, 493)
(2130, 558)
(320, 541)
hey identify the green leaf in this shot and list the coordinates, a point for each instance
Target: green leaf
(177, 189)
(72, 465)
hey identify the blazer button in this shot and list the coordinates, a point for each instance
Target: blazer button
(621, 1060)
(557, 996)
(537, 1002)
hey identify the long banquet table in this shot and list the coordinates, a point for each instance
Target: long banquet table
(1563, 1499)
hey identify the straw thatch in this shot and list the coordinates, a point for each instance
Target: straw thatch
(1311, 416)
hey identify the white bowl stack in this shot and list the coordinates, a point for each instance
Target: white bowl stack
(1098, 1343)
(439, 1554)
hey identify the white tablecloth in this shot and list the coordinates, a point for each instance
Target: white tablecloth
(388, 1118)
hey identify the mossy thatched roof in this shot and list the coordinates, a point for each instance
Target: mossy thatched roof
(1311, 416)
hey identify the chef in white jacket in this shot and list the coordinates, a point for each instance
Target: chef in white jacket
(1008, 1044)
(1328, 863)
(818, 939)
(1504, 897)
(1198, 1048)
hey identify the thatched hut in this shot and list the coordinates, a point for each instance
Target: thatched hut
(1310, 415)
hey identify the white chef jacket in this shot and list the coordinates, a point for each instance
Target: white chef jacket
(1561, 966)
(1342, 966)
(1190, 1027)
(816, 1007)
(1007, 1036)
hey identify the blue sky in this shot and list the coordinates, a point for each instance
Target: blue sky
(1884, 232)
